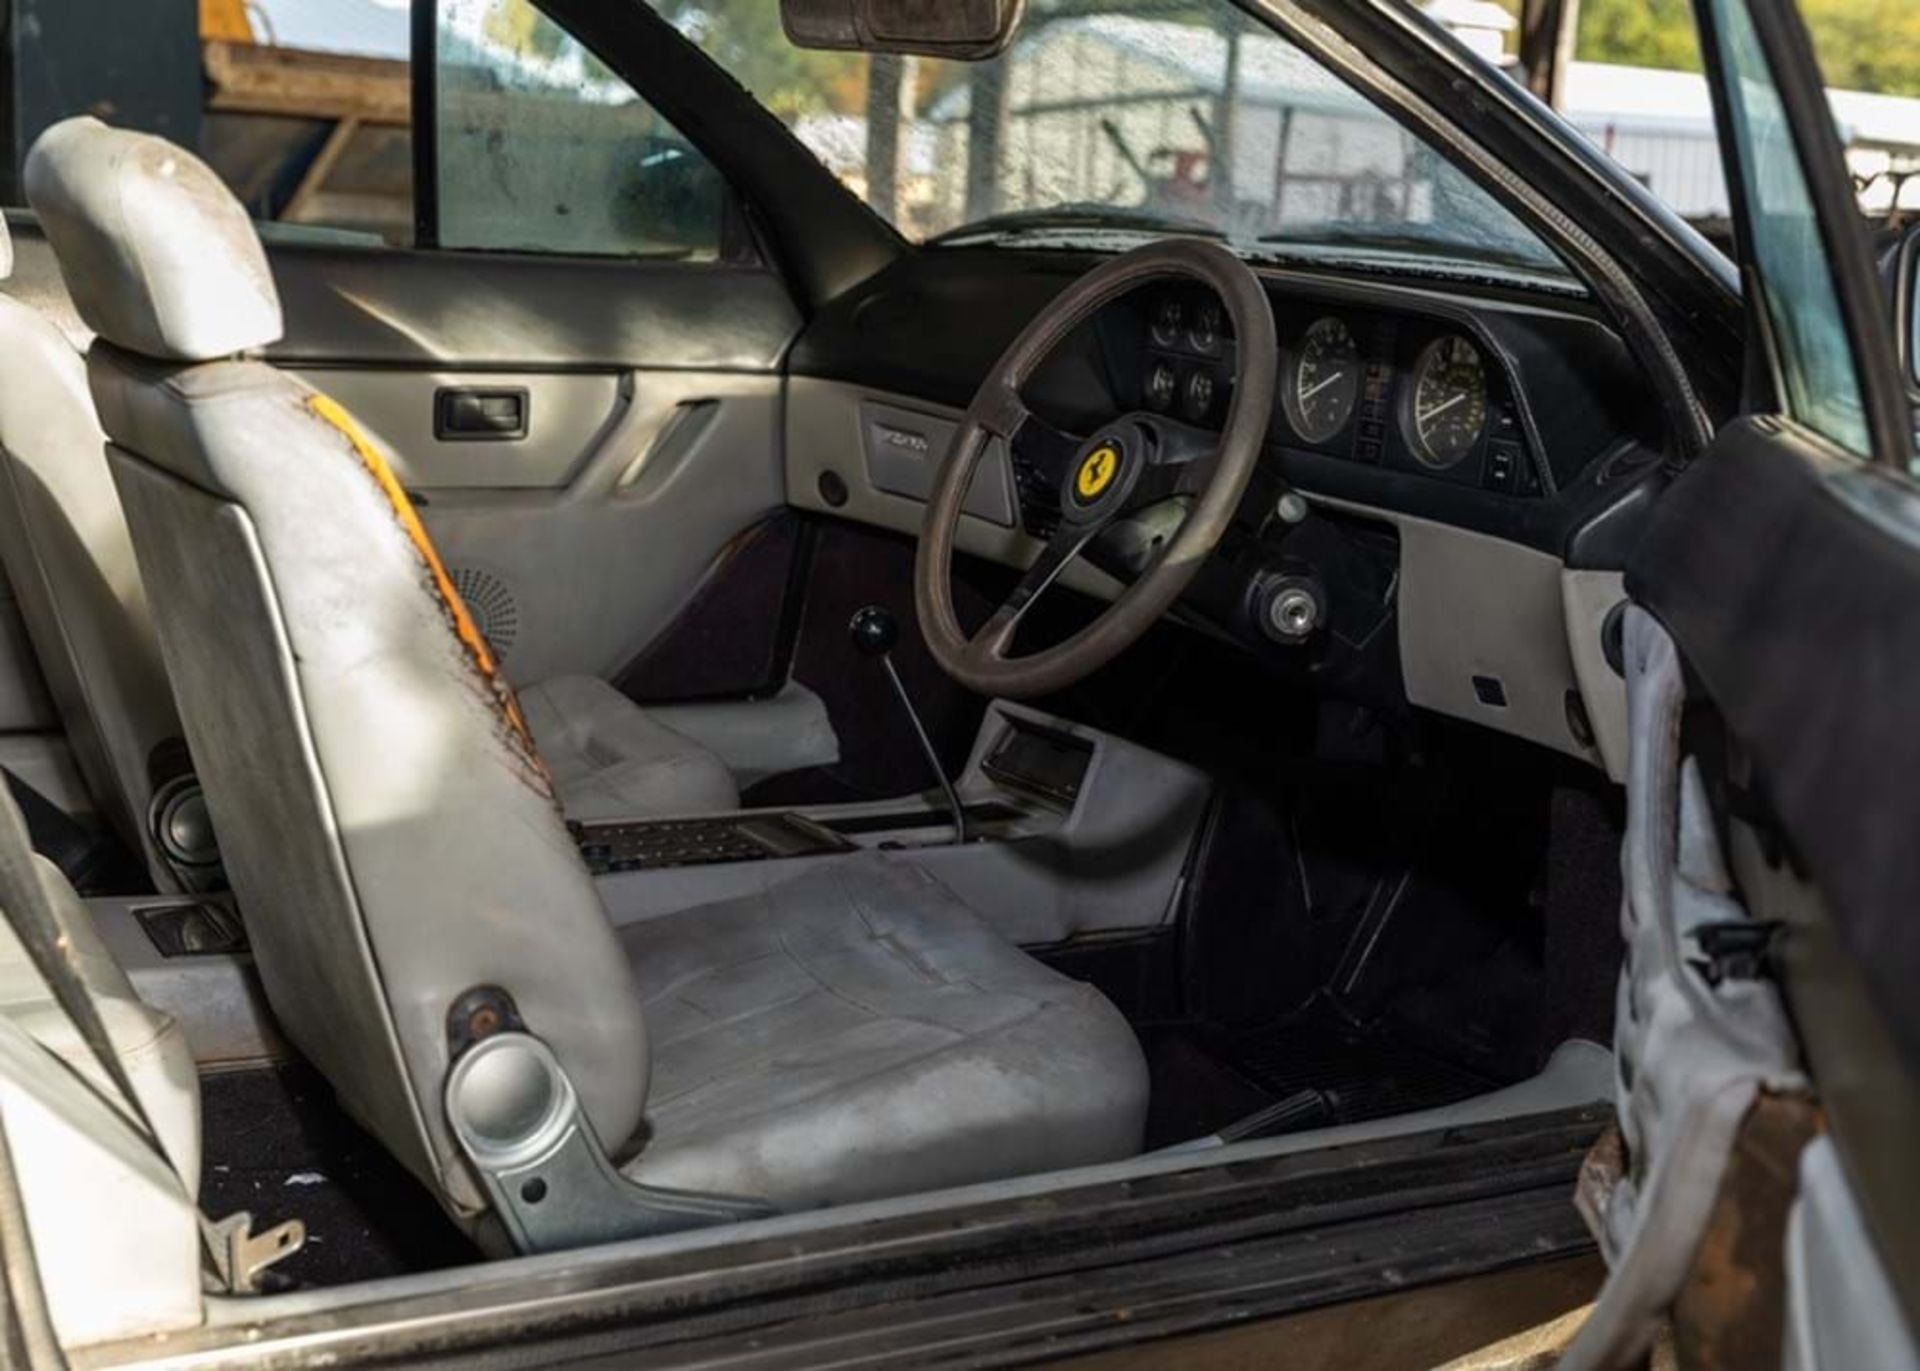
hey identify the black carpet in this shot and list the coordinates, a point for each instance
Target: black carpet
(277, 1144)
(1206, 1078)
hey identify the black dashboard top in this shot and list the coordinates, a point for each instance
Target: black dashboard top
(1514, 416)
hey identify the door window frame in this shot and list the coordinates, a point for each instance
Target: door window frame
(1787, 49)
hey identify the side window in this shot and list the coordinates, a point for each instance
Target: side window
(1803, 310)
(538, 147)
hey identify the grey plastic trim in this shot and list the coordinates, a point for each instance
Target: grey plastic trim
(1841, 1309)
(517, 1118)
(567, 414)
(216, 998)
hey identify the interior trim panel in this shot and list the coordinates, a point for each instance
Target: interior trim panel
(389, 307)
(564, 415)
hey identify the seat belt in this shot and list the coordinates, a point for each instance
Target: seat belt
(237, 1254)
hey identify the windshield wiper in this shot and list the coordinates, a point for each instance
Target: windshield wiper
(1067, 217)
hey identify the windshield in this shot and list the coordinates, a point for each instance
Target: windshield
(1115, 118)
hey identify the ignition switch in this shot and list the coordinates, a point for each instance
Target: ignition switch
(1289, 609)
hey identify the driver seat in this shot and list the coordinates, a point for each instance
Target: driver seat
(391, 828)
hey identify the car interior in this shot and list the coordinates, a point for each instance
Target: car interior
(530, 751)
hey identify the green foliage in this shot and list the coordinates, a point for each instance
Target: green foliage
(1639, 33)
(1871, 45)
(1867, 44)
(746, 38)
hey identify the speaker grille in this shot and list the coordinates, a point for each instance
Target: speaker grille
(495, 612)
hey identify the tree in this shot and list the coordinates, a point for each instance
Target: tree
(1871, 45)
(1867, 44)
(1639, 33)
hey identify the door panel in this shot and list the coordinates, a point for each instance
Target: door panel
(597, 569)
(386, 308)
(566, 415)
(652, 414)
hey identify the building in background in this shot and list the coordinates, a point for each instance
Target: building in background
(304, 106)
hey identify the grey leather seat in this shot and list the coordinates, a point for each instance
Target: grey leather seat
(64, 544)
(608, 760)
(66, 550)
(392, 832)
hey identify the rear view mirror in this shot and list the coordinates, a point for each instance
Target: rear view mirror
(962, 30)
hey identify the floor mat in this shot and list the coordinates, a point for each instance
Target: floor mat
(277, 1144)
(1216, 1077)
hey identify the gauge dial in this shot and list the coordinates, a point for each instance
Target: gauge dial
(1204, 336)
(1167, 319)
(1197, 401)
(1447, 409)
(1162, 385)
(1323, 381)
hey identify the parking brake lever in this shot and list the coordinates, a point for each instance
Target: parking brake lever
(874, 631)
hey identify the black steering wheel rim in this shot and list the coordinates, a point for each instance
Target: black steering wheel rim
(979, 661)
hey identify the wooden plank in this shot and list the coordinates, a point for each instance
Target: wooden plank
(311, 184)
(248, 78)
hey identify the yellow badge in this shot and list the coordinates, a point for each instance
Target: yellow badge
(1096, 473)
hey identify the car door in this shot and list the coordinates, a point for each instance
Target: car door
(1762, 1195)
(575, 356)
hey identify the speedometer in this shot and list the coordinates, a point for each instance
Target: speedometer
(1323, 381)
(1447, 409)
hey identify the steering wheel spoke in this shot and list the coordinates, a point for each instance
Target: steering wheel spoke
(1183, 461)
(995, 637)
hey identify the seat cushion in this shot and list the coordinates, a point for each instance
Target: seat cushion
(608, 760)
(857, 1033)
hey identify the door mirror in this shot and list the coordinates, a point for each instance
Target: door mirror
(961, 30)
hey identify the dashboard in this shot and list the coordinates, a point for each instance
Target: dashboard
(1425, 396)
(1453, 471)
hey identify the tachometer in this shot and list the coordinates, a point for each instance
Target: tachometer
(1323, 381)
(1447, 409)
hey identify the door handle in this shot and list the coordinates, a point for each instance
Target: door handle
(470, 414)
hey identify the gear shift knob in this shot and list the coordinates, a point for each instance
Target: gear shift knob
(874, 631)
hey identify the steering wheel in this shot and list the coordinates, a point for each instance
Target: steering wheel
(1136, 461)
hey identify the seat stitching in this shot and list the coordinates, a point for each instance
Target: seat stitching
(893, 1014)
(901, 1064)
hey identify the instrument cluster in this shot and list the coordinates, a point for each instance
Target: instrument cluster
(1418, 394)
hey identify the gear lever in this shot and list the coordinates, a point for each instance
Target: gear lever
(874, 632)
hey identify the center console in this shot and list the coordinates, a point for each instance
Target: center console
(1069, 830)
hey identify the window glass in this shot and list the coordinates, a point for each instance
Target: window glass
(1810, 335)
(541, 148)
(1105, 117)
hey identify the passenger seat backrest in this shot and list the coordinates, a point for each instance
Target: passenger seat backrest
(67, 553)
(386, 823)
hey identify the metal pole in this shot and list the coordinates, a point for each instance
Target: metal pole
(885, 81)
(1548, 31)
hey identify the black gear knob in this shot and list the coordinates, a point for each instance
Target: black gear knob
(874, 631)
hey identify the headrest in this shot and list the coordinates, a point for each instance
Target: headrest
(6, 250)
(159, 257)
